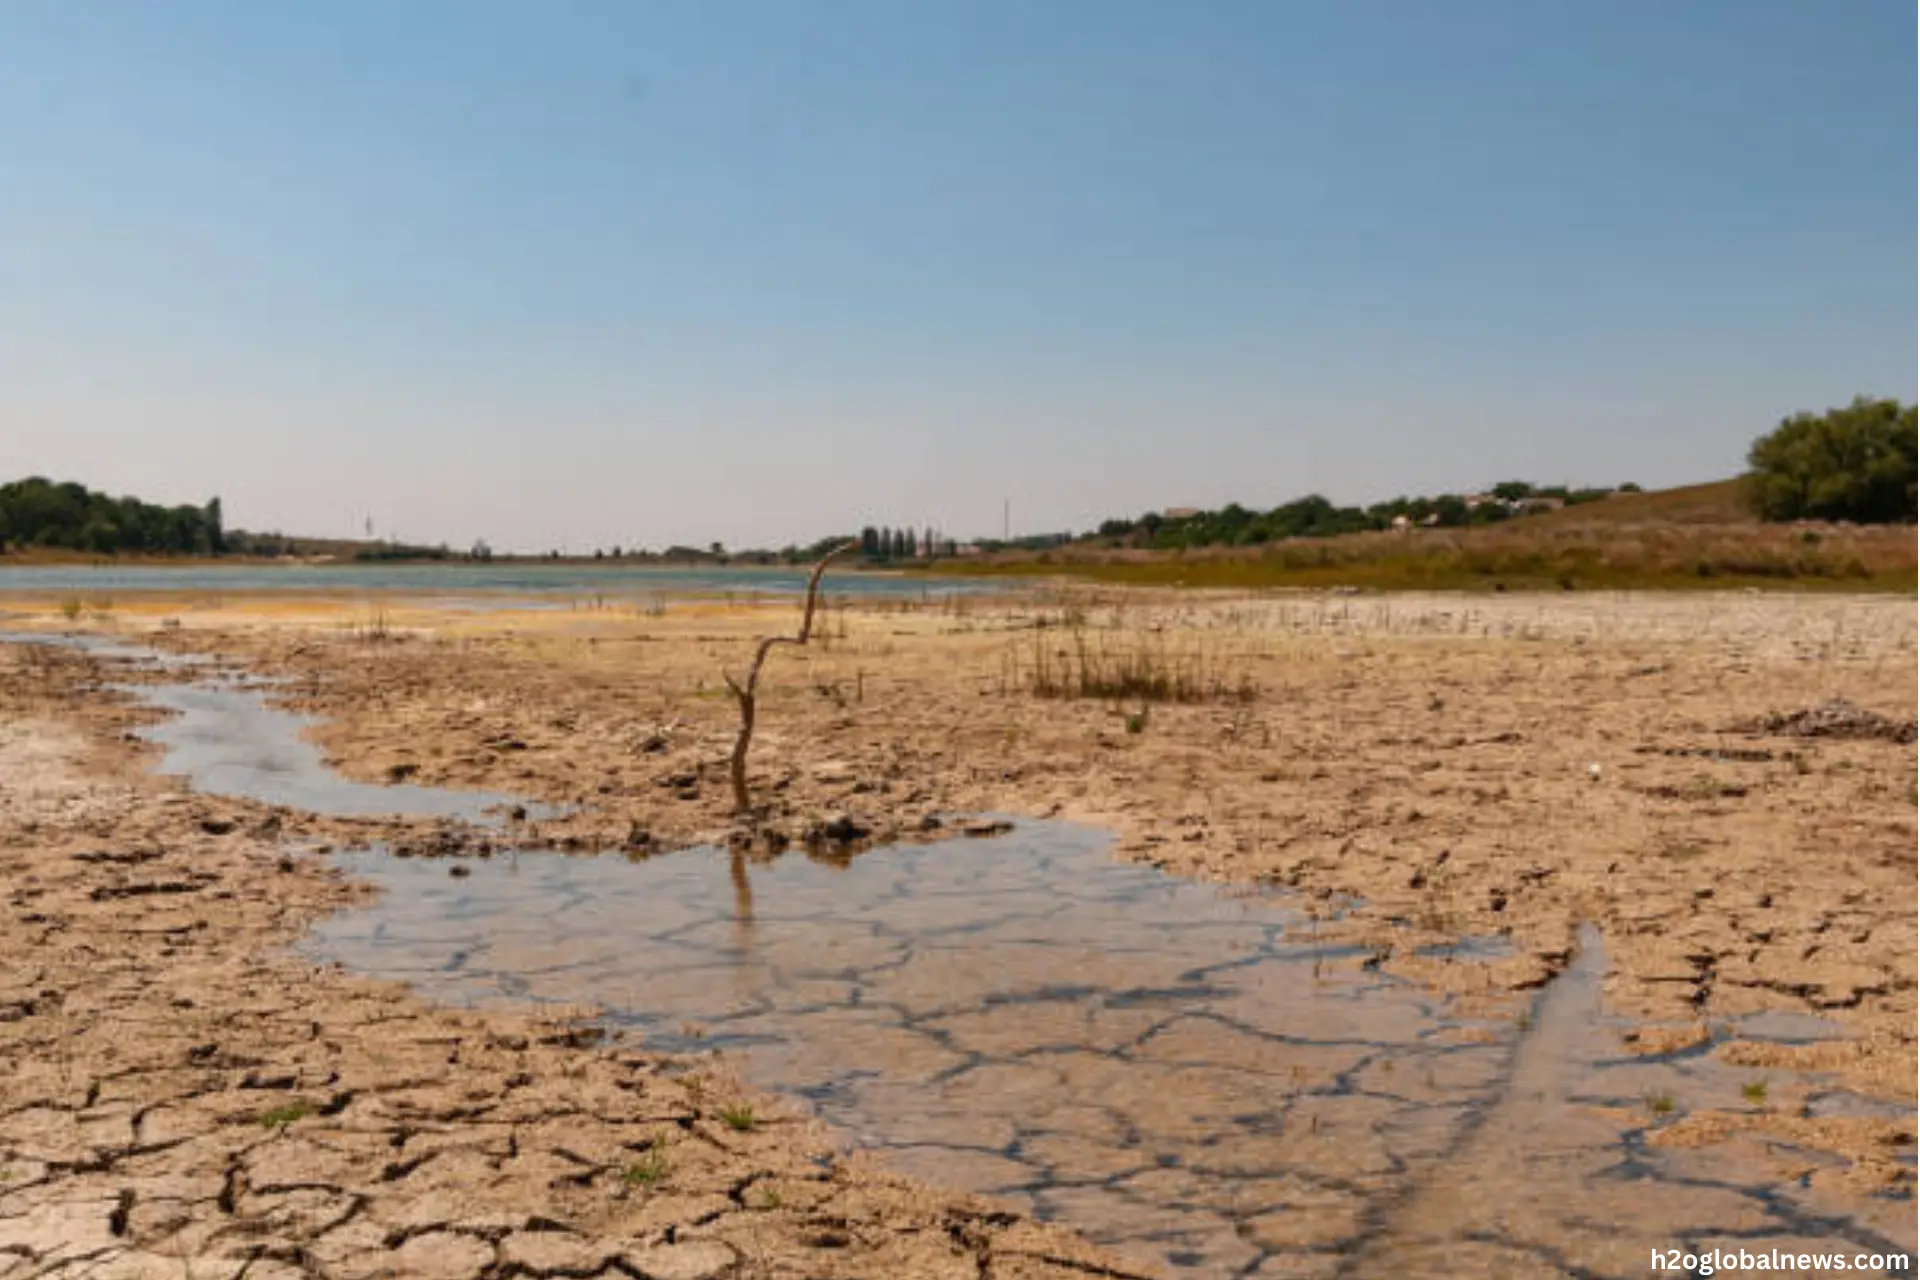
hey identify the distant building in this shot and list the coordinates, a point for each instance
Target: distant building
(1179, 513)
(1539, 504)
(1482, 499)
(1403, 522)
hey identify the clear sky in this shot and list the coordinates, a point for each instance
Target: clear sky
(573, 274)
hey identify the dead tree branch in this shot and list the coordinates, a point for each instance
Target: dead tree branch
(744, 693)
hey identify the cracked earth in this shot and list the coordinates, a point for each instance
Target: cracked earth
(1675, 771)
(181, 1098)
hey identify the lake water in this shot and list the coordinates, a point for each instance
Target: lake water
(559, 581)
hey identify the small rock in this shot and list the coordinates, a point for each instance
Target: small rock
(979, 828)
(459, 872)
(216, 826)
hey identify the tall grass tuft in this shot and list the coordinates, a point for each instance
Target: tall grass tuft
(1142, 669)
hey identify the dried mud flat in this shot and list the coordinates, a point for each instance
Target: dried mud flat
(179, 1098)
(1670, 769)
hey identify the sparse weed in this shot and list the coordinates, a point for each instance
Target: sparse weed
(374, 629)
(739, 1116)
(1755, 1091)
(70, 608)
(1150, 669)
(281, 1117)
(1660, 1104)
(649, 1169)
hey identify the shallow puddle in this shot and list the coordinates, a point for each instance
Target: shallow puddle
(226, 740)
(1175, 1072)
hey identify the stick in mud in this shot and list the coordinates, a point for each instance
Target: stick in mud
(742, 802)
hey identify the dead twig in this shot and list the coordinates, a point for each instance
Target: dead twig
(745, 693)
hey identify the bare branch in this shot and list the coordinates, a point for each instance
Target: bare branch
(745, 693)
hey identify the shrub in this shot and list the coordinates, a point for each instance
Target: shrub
(1856, 463)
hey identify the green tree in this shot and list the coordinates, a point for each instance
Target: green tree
(1855, 463)
(37, 512)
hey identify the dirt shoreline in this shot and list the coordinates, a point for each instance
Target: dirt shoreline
(1457, 767)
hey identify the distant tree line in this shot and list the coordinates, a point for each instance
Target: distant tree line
(1027, 542)
(37, 512)
(1855, 463)
(386, 549)
(884, 544)
(715, 553)
(1315, 517)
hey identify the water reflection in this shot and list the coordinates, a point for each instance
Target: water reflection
(1166, 1068)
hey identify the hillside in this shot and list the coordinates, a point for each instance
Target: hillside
(1690, 537)
(1714, 503)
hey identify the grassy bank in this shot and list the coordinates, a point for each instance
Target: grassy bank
(1681, 539)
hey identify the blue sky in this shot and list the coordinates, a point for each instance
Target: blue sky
(573, 274)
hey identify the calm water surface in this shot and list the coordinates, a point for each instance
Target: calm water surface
(459, 580)
(1177, 1073)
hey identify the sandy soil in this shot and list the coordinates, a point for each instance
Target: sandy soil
(1419, 769)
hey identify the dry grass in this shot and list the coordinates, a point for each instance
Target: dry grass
(1679, 538)
(1140, 667)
